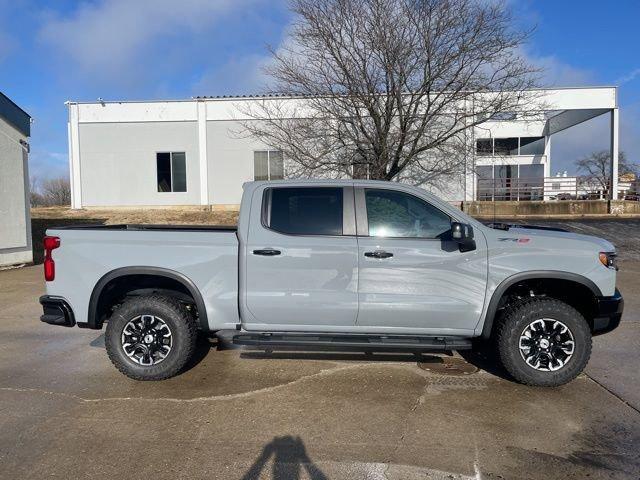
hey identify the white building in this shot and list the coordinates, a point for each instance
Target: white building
(15, 219)
(193, 152)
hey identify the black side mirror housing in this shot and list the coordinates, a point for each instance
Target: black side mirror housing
(462, 233)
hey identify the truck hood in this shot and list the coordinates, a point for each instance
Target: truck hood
(522, 232)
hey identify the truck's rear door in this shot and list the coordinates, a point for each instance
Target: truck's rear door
(301, 259)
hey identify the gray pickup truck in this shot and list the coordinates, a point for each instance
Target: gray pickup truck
(342, 265)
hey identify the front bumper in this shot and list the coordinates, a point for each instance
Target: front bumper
(608, 313)
(56, 311)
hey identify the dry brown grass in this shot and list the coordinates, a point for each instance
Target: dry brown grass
(189, 216)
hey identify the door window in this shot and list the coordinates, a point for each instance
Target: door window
(305, 211)
(397, 214)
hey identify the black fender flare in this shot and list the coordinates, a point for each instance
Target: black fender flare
(94, 323)
(531, 275)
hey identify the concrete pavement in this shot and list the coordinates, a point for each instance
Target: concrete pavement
(65, 412)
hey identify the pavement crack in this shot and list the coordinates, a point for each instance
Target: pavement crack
(608, 390)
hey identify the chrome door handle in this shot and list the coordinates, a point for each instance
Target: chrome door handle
(378, 254)
(267, 252)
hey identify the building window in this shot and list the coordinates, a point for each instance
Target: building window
(531, 145)
(484, 146)
(505, 146)
(503, 116)
(172, 171)
(510, 146)
(268, 165)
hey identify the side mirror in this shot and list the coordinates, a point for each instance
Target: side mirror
(463, 234)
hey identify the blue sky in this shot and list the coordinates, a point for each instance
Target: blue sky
(62, 50)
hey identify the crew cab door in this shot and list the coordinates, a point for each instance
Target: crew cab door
(413, 276)
(301, 259)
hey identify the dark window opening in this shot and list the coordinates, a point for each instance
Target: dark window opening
(484, 146)
(531, 145)
(171, 171)
(506, 146)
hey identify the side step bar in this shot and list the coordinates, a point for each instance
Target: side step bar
(344, 342)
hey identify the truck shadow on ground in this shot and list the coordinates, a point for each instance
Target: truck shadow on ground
(481, 361)
(290, 458)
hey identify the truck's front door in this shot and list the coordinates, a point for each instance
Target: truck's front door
(413, 276)
(301, 260)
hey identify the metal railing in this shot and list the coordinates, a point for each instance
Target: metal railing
(545, 188)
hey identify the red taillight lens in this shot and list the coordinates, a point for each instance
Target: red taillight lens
(50, 244)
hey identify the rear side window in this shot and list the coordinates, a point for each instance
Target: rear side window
(305, 211)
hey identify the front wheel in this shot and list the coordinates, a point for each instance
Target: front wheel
(543, 342)
(150, 337)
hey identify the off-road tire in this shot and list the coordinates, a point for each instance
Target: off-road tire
(181, 323)
(517, 317)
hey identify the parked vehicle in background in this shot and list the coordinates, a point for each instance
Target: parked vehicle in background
(342, 265)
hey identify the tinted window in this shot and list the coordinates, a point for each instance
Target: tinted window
(179, 171)
(397, 214)
(531, 145)
(171, 171)
(306, 211)
(506, 146)
(163, 161)
(484, 146)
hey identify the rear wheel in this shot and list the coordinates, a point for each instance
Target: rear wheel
(543, 342)
(150, 337)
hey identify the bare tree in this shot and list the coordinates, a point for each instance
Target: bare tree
(56, 191)
(597, 165)
(36, 198)
(390, 89)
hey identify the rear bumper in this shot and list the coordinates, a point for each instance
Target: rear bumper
(56, 311)
(608, 313)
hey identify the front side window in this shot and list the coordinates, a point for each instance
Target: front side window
(268, 165)
(171, 168)
(305, 210)
(397, 214)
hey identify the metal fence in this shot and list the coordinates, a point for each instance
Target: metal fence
(549, 188)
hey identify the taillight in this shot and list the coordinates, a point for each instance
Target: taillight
(50, 244)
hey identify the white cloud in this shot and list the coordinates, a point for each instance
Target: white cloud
(112, 39)
(556, 73)
(629, 77)
(238, 76)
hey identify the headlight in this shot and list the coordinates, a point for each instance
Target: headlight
(608, 259)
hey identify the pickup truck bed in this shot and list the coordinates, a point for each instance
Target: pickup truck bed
(205, 258)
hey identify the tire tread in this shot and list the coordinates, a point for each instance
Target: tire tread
(186, 349)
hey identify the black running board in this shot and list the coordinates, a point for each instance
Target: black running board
(344, 342)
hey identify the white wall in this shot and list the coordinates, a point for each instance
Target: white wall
(15, 220)
(230, 156)
(118, 162)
